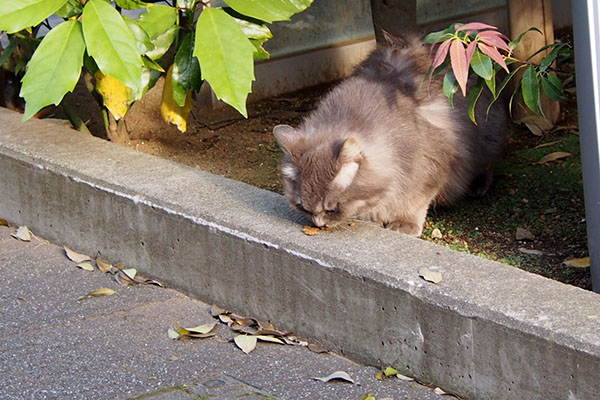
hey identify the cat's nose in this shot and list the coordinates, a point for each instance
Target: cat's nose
(318, 220)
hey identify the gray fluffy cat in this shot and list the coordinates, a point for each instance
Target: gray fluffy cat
(383, 146)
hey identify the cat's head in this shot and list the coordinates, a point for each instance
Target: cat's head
(318, 176)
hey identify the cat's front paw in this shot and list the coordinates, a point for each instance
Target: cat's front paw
(408, 228)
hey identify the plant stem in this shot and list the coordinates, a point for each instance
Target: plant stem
(74, 118)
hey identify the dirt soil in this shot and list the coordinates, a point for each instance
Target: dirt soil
(546, 200)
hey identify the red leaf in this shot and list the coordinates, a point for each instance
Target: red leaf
(477, 26)
(460, 67)
(495, 33)
(439, 58)
(470, 51)
(493, 40)
(493, 54)
(440, 55)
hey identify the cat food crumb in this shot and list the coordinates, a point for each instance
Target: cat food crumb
(310, 230)
(326, 228)
(351, 224)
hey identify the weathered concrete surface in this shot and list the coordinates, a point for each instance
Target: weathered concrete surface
(53, 346)
(487, 331)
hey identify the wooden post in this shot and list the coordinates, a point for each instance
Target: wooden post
(393, 16)
(524, 14)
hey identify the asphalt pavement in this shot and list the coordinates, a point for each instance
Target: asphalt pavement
(58, 342)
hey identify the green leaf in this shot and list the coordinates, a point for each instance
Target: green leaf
(162, 42)
(157, 20)
(434, 37)
(186, 71)
(552, 86)
(112, 45)
(491, 83)
(253, 28)
(472, 98)
(131, 4)
(54, 68)
(259, 51)
(516, 42)
(482, 65)
(269, 10)
(90, 64)
(503, 85)
(189, 4)
(149, 79)
(450, 86)
(9, 50)
(530, 89)
(143, 43)
(226, 57)
(70, 9)
(16, 15)
(151, 64)
(550, 58)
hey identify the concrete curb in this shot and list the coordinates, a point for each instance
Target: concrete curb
(486, 331)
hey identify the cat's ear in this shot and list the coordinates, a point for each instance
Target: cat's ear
(350, 151)
(397, 41)
(287, 137)
(349, 159)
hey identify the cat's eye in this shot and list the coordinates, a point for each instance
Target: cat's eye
(299, 207)
(332, 207)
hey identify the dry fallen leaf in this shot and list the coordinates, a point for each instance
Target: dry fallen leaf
(215, 311)
(578, 262)
(439, 391)
(429, 275)
(123, 279)
(436, 234)
(404, 377)
(310, 230)
(226, 319)
(389, 371)
(539, 146)
(99, 293)
(130, 272)
(204, 328)
(106, 267)
(153, 282)
(317, 349)
(268, 338)
(183, 332)
(533, 128)
(23, 233)
(524, 234)
(531, 251)
(86, 265)
(338, 375)
(369, 396)
(76, 257)
(102, 292)
(3, 222)
(172, 334)
(557, 155)
(246, 343)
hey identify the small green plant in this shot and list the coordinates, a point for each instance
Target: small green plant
(122, 57)
(482, 49)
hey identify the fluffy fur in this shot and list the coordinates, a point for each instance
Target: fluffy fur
(383, 145)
